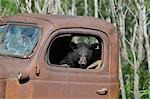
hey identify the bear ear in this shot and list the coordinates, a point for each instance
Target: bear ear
(93, 46)
(73, 45)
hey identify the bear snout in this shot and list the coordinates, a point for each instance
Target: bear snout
(82, 61)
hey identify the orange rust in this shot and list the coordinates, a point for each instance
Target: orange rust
(43, 80)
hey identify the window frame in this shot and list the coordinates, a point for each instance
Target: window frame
(24, 24)
(103, 36)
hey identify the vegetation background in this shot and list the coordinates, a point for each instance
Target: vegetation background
(131, 18)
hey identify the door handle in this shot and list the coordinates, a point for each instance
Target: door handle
(102, 91)
(23, 77)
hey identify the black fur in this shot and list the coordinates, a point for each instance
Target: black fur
(80, 55)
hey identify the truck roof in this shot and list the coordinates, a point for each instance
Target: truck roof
(65, 21)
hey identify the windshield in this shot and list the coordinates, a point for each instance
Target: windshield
(17, 40)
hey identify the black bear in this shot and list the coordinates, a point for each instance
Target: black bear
(80, 55)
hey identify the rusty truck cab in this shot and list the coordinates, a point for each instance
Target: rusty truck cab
(32, 46)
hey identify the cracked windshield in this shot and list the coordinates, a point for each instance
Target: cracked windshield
(17, 41)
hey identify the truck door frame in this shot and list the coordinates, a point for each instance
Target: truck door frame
(52, 74)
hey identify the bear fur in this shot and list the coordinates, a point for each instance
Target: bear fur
(80, 56)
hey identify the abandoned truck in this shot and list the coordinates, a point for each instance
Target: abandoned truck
(58, 57)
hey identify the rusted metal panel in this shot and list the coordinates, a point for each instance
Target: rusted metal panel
(68, 90)
(42, 80)
(3, 77)
(17, 91)
(2, 88)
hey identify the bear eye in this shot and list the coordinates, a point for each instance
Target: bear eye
(78, 55)
(86, 55)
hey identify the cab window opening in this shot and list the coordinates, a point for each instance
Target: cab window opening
(76, 51)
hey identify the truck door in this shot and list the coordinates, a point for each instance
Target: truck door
(62, 81)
